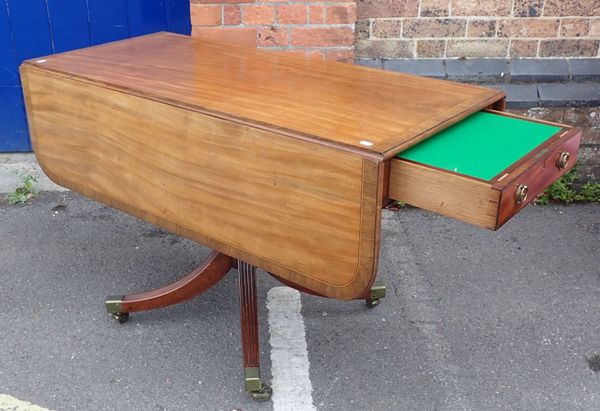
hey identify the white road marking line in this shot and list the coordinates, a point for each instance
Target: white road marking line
(8, 403)
(292, 390)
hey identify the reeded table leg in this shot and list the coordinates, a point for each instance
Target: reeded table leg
(249, 326)
(201, 279)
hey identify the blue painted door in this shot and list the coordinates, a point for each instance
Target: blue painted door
(33, 28)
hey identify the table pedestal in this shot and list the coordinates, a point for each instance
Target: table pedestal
(210, 272)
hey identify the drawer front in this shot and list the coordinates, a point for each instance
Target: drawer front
(535, 175)
(487, 203)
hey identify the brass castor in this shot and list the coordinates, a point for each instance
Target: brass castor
(377, 293)
(257, 389)
(372, 302)
(122, 318)
(264, 394)
(114, 306)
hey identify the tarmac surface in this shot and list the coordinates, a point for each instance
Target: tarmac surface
(473, 319)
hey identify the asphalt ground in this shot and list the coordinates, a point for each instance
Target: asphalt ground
(473, 320)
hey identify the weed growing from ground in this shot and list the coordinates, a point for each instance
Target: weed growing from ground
(23, 193)
(564, 191)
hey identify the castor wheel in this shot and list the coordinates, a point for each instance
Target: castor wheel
(376, 294)
(257, 389)
(122, 318)
(372, 302)
(114, 306)
(264, 394)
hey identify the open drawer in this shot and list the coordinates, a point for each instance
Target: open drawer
(484, 169)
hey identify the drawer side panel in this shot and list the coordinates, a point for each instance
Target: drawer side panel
(445, 193)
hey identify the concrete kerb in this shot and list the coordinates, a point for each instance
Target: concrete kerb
(15, 166)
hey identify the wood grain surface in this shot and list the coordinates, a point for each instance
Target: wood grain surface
(444, 192)
(538, 171)
(248, 314)
(210, 272)
(306, 212)
(335, 103)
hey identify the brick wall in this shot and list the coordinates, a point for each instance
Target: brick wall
(406, 28)
(477, 28)
(588, 164)
(323, 29)
(390, 33)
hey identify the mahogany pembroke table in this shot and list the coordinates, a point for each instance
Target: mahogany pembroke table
(276, 161)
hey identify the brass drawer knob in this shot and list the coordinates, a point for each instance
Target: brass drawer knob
(563, 159)
(521, 193)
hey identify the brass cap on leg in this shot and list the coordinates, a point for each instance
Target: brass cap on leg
(259, 391)
(376, 293)
(114, 304)
(378, 290)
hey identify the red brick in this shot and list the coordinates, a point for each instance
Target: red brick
(341, 55)
(292, 14)
(594, 28)
(569, 48)
(342, 14)
(435, 8)
(481, 7)
(322, 37)
(387, 8)
(434, 28)
(317, 14)
(387, 28)
(384, 48)
(259, 14)
(243, 36)
(313, 1)
(205, 15)
(574, 27)
(523, 48)
(431, 48)
(220, 1)
(572, 8)
(528, 8)
(477, 48)
(272, 36)
(481, 28)
(528, 28)
(232, 14)
(362, 29)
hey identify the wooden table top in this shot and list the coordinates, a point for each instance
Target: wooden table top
(372, 111)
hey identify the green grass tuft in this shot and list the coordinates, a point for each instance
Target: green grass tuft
(564, 191)
(22, 194)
